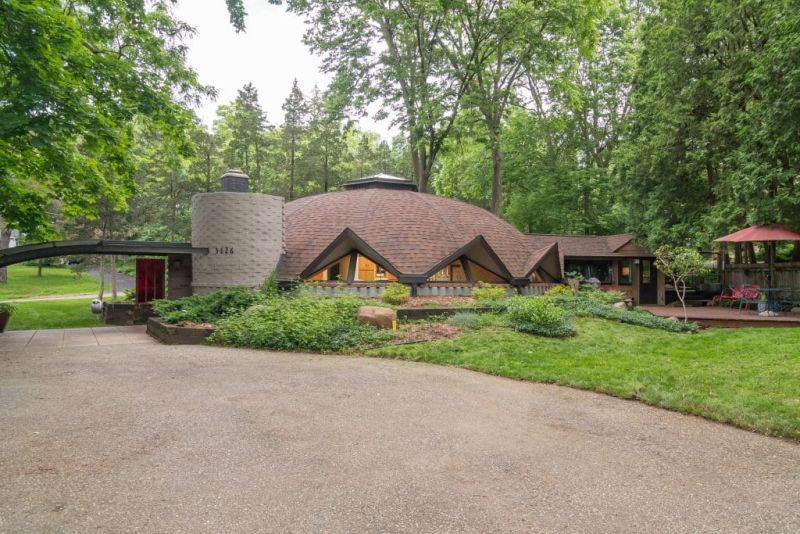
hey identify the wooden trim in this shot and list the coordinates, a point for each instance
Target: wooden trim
(467, 269)
(360, 245)
(351, 267)
(479, 240)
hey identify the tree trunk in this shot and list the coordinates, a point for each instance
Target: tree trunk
(497, 178)
(291, 170)
(39, 268)
(113, 277)
(751, 252)
(5, 240)
(102, 278)
(416, 163)
(325, 170)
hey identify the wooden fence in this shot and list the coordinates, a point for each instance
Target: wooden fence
(786, 274)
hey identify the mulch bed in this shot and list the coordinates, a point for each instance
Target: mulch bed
(417, 332)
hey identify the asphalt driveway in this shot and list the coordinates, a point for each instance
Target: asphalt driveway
(154, 438)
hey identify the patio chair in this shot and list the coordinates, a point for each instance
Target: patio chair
(749, 296)
(730, 295)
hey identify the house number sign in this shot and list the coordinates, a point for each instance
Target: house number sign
(223, 250)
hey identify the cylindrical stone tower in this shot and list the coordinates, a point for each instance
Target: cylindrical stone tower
(243, 232)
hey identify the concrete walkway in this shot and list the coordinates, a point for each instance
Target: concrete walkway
(154, 438)
(73, 337)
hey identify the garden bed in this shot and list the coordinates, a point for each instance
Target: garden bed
(172, 334)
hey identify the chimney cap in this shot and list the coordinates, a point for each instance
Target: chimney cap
(235, 181)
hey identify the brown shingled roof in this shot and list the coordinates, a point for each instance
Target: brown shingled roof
(414, 232)
(588, 246)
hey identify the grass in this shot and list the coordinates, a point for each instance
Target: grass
(23, 282)
(747, 377)
(53, 314)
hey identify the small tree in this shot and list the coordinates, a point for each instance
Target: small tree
(679, 263)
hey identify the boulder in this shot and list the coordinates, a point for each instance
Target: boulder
(620, 305)
(377, 316)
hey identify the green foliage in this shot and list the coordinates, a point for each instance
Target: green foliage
(302, 323)
(559, 291)
(541, 316)
(485, 292)
(589, 307)
(210, 308)
(606, 297)
(712, 135)
(464, 320)
(73, 78)
(270, 286)
(396, 293)
(6, 308)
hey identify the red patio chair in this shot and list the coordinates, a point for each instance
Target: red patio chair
(749, 296)
(730, 295)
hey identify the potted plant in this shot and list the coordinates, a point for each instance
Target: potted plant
(6, 309)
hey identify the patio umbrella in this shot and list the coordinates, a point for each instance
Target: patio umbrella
(770, 234)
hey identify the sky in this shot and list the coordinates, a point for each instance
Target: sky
(270, 54)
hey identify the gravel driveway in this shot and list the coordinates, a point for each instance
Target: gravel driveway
(199, 439)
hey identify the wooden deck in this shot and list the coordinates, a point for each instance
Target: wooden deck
(725, 317)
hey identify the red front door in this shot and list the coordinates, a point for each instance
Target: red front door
(149, 279)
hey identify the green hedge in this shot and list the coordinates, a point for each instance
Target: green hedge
(302, 323)
(540, 315)
(210, 308)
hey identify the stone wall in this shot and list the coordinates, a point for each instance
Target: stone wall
(244, 235)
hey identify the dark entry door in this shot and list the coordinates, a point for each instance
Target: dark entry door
(648, 293)
(149, 279)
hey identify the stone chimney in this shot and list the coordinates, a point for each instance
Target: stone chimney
(235, 181)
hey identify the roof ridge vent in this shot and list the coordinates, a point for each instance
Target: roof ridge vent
(381, 181)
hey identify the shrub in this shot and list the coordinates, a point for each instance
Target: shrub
(608, 297)
(270, 286)
(540, 315)
(7, 308)
(464, 320)
(209, 308)
(302, 323)
(588, 307)
(486, 292)
(396, 293)
(559, 291)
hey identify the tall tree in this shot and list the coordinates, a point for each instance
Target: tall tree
(507, 39)
(294, 124)
(394, 52)
(248, 126)
(72, 76)
(713, 139)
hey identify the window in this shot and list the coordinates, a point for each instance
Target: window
(602, 270)
(646, 271)
(625, 272)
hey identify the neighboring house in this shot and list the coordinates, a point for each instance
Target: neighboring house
(615, 260)
(380, 229)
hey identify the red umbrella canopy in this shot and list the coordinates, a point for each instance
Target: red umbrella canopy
(770, 232)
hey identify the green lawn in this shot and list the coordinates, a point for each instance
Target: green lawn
(53, 314)
(23, 282)
(748, 377)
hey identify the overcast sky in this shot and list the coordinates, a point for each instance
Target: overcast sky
(270, 54)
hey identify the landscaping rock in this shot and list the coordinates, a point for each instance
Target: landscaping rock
(377, 316)
(620, 305)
